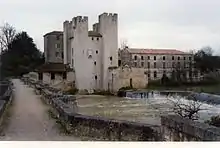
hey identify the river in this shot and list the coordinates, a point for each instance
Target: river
(144, 110)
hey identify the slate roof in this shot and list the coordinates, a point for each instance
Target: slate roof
(53, 67)
(94, 34)
(54, 33)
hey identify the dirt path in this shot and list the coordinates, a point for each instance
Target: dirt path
(29, 119)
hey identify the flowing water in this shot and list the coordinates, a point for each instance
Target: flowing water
(138, 109)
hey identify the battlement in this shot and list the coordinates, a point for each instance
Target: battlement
(96, 27)
(66, 22)
(80, 20)
(108, 15)
(113, 16)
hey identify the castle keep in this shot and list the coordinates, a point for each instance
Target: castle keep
(91, 53)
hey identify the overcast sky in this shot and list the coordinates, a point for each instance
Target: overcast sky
(180, 24)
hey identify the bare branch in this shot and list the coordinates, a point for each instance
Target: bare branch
(7, 34)
(124, 43)
(189, 109)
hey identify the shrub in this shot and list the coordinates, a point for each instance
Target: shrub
(214, 121)
(103, 93)
(154, 83)
(126, 88)
(72, 91)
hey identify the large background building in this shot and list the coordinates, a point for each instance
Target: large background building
(157, 62)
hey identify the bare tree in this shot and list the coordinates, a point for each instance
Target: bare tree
(124, 43)
(7, 34)
(187, 109)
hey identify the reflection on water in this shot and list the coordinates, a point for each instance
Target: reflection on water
(146, 110)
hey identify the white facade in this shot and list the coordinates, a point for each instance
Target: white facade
(91, 53)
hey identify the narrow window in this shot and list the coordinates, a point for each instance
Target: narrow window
(164, 58)
(190, 58)
(142, 64)
(155, 64)
(97, 52)
(148, 75)
(184, 58)
(40, 76)
(135, 57)
(178, 58)
(97, 39)
(184, 64)
(96, 77)
(131, 84)
(178, 64)
(64, 76)
(164, 65)
(155, 74)
(57, 45)
(95, 63)
(173, 65)
(58, 37)
(155, 58)
(172, 57)
(148, 57)
(119, 62)
(92, 38)
(52, 76)
(148, 64)
(110, 58)
(62, 55)
(142, 57)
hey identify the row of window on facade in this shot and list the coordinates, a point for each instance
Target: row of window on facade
(174, 65)
(52, 76)
(164, 58)
(195, 73)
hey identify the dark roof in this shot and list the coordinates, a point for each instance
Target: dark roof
(53, 67)
(54, 33)
(94, 34)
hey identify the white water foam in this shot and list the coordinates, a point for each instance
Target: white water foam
(164, 105)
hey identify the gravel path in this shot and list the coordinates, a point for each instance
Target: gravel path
(29, 118)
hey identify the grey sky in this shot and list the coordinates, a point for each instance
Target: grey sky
(180, 24)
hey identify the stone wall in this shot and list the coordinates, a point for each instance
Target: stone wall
(175, 128)
(126, 76)
(5, 97)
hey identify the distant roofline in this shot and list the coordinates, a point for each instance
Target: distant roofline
(54, 33)
(157, 51)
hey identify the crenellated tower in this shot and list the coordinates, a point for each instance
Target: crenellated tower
(91, 53)
(108, 28)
